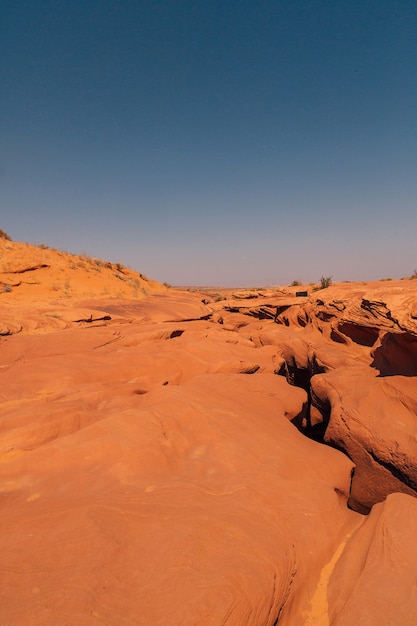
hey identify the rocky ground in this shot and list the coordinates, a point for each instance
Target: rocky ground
(174, 458)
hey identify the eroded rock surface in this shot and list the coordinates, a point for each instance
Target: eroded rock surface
(373, 577)
(152, 471)
(354, 350)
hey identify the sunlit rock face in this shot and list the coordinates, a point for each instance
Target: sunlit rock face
(355, 353)
(175, 457)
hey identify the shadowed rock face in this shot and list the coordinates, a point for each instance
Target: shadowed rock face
(396, 354)
(151, 471)
(349, 347)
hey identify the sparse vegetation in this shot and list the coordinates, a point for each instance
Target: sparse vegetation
(167, 285)
(132, 284)
(414, 275)
(384, 279)
(4, 235)
(325, 281)
(296, 283)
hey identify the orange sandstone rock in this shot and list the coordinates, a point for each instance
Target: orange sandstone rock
(151, 471)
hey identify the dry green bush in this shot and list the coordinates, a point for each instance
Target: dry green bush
(325, 281)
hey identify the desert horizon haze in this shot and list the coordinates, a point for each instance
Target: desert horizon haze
(216, 143)
(174, 458)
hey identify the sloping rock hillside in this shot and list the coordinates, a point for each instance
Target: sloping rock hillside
(179, 459)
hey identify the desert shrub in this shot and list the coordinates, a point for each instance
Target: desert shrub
(167, 285)
(6, 288)
(325, 281)
(43, 246)
(414, 275)
(296, 283)
(4, 235)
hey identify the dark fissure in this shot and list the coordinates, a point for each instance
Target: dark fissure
(301, 377)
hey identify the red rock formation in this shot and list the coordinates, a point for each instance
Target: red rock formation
(353, 339)
(151, 472)
(373, 581)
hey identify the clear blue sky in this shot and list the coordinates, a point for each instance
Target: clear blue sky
(223, 142)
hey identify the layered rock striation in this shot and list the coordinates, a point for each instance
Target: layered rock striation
(354, 350)
(155, 469)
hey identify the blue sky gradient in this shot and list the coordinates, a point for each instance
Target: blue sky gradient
(212, 142)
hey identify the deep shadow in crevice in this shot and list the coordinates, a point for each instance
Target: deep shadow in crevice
(396, 355)
(338, 337)
(176, 333)
(301, 377)
(362, 335)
